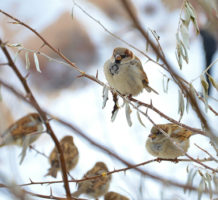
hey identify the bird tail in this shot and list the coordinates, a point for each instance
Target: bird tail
(149, 89)
(77, 193)
(52, 172)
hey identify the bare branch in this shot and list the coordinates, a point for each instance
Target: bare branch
(42, 114)
(101, 147)
(174, 75)
(119, 170)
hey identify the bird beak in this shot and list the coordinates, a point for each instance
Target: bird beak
(152, 136)
(118, 58)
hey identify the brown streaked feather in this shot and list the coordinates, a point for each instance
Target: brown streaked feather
(128, 53)
(26, 125)
(114, 196)
(71, 156)
(94, 187)
(175, 131)
(145, 78)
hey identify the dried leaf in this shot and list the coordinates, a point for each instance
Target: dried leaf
(186, 21)
(114, 115)
(105, 96)
(16, 55)
(214, 83)
(191, 175)
(14, 45)
(181, 105)
(185, 35)
(115, 108)
(180, 51)
(27, 60)
(128, 112)
(205, 87)
(201, 174)
(215, 182)
(195, 25)
(200, 189)
(191, 12)
(140, 120)
(36, 62)
(192, 90)
(184, 52)
(209, 180)
(189, 8)
(204, 83)
(165, 89)
(178, 57)
(27, 141)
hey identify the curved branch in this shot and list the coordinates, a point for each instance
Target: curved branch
(42, 114)
(103, 148)
(174, 75)
(150, 106)
(118, 170)
(51, 196)
(140, 51)
(94, 78)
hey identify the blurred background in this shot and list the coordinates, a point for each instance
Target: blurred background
(78, 100)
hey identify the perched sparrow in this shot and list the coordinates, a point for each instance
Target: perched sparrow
(124, 73)
(71, 156)
(28, 126)
(161, 146)
(95, 187)
(114, 196)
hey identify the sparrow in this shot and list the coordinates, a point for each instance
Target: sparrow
(159, 145)
(114, 196)
(124, 73)
(29, 126)
(71, 156)
(95, 187)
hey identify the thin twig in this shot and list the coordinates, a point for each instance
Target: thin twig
(38, 152)
(60, 54)
(93, 78)
(140, 51)
(174, 75)
(150, 106)
(101, 147)
(118, 170)
(113, 35)
(202, 164)
(42, 114)
(191, 158)
(51, 196)
(212, 157)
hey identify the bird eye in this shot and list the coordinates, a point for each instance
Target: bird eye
(158, 132)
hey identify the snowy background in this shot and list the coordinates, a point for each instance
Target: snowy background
(81, 101)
